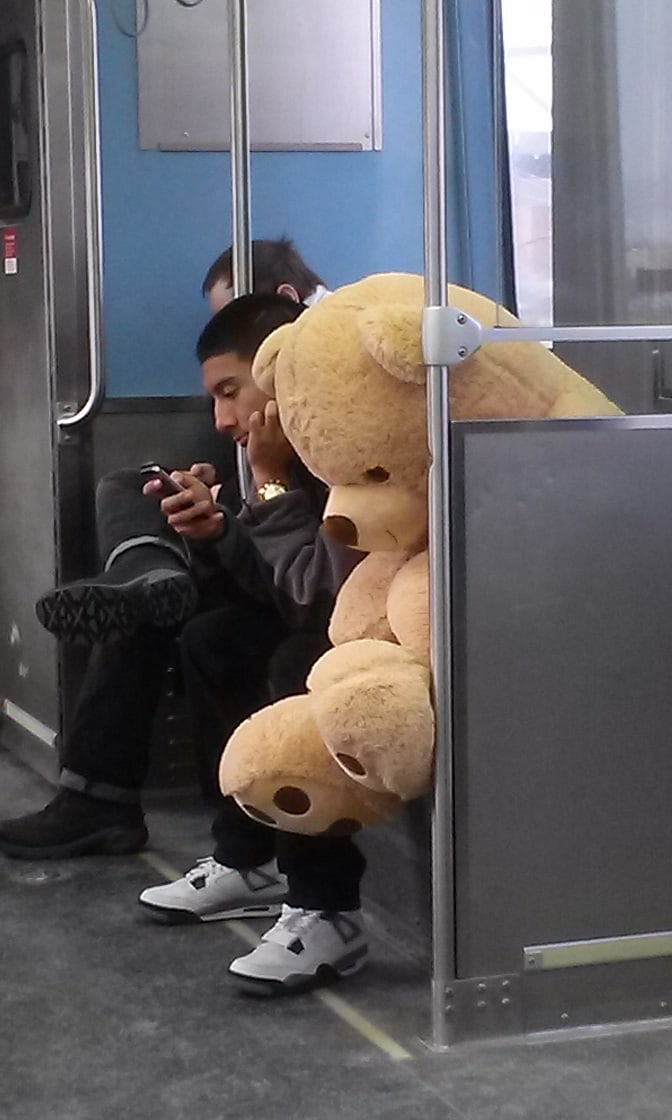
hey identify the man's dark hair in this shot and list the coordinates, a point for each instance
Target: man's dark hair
(273, 263)
(243, 324)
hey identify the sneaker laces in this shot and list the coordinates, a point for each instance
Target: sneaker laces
(292, 923)
(205, 869)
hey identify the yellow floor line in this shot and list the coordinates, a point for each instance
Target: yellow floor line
(350, 1015)
(160, 865)
(337, 1004)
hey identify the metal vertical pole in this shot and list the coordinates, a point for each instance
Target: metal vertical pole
(497, 117)
(438, 419)
(240, 174)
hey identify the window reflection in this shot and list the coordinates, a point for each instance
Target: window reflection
(14, 143)
(529, 84)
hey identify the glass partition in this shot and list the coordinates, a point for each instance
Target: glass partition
(587, 87)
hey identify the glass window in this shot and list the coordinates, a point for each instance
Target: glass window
(14, 149)
(529, 92)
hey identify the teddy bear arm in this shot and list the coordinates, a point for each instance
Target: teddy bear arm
(408, 606)
(360, 610)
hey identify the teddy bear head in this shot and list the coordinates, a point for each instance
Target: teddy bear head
(350, 382)
(352, 402)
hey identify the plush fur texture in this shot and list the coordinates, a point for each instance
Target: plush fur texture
(276, 764)
(350, 384)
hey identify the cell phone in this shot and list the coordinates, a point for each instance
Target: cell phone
(153, 470)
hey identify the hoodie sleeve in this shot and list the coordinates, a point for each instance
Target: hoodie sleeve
(277, 553)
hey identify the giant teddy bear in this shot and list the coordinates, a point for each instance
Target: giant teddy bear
(350, 383)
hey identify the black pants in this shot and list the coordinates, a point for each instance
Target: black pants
(237, 655)
(223, 685)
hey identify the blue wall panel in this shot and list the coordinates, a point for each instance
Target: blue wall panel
(167, 214)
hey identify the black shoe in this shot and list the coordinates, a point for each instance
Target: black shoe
(75, 825)
(110, 606)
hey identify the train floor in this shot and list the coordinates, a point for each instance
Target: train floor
(106, 1015)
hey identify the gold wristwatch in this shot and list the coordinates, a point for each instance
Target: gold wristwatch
(272, 489)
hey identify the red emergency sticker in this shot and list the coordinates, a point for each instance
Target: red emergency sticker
(10, 253)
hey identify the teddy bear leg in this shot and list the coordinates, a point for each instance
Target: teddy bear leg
(373, 710)
(277, 767)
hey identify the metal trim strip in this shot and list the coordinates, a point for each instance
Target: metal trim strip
(599, 950)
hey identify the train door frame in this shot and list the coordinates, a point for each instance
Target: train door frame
(57, 283)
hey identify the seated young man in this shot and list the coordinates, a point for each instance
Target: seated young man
(276, 267)
(260, 581)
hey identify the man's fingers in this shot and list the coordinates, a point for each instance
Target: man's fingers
(173, 502)
(203, 471)
(180, 515)
(200, 527)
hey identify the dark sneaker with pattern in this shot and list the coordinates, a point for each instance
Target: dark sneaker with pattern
(110, 606)
(75, 825)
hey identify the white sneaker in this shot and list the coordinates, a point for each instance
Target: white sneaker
(304, 948)
(210, 891)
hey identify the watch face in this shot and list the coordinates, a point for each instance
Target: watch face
(271, 490)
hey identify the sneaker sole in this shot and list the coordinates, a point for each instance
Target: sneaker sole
(169, 600)
(108, 841)
(177, 917)
(91, 614)
(325, 975)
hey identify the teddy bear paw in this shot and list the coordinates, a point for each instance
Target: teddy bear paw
(277, 768)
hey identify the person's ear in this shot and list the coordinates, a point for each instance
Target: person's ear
(289, 291)
(266, 358)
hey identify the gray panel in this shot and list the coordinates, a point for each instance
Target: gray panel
(27, 654)
(314, 75)
(175, 431)
(564, 700)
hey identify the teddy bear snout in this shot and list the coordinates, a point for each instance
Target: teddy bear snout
(341, 529)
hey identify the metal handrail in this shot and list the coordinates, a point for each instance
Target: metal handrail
(93, 219)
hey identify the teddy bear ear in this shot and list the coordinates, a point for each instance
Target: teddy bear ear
(265, 359)
(392, 334)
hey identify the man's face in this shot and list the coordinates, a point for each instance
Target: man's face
(228, 380)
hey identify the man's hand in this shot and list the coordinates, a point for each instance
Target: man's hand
(205, 472)
(269, 453)
(192, 513)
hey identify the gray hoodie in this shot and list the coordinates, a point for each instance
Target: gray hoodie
(276, 552)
